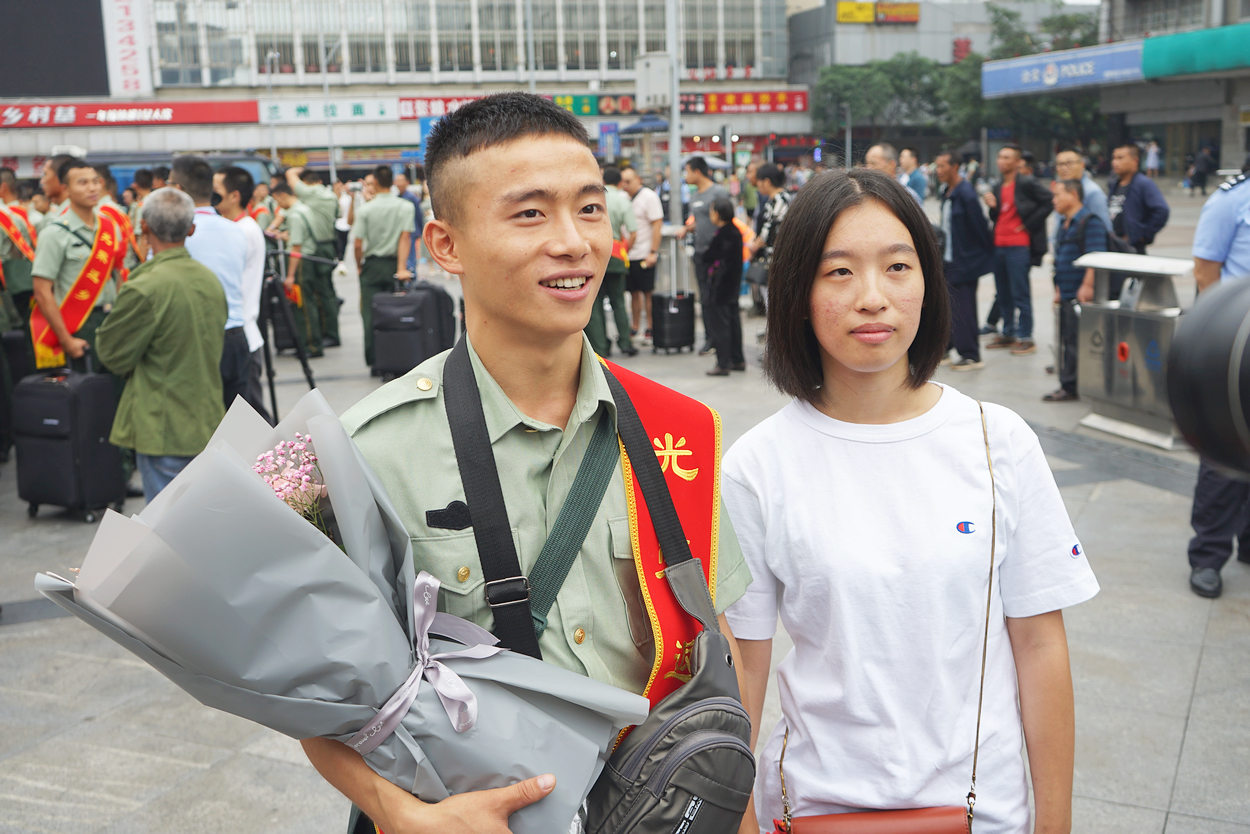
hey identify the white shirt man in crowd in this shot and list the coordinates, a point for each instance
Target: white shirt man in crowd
(645, 250)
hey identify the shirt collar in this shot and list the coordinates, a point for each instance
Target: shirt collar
(206, 210)
(502, 415)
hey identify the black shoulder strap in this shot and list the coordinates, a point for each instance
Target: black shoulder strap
(1080, 232)
(73, 232)
(509, 596)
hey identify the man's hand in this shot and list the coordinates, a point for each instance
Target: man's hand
(76, 347)
(1057, 298)
(650, 260)
(288, 283)
(403, 274)
(990, 199)
(477, 812)
(1085, 294)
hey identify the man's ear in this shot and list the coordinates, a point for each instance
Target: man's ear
(440, 240)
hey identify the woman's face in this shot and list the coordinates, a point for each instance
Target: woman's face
(868, 294)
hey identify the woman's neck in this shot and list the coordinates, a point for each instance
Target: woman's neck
(874, 399)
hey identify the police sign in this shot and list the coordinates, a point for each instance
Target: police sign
(1093, 66)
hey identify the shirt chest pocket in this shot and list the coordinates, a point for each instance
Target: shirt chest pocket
(452, 560)
(627, 580)
(76, 253)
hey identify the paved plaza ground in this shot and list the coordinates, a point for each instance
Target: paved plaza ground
(93, 740)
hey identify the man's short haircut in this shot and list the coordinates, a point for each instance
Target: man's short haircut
(9, 177)
(238, 179)
(169, 214)
(1067, 149)
(698, 164)
(724, 208)
(956, 158)
(310, 176)
(1012, 146)
(280, 188)
(490, 121)
(887, 150)
(911, 151)
(383, 176)
(161, 172)
(1132, 148)
(1074, 187)
(193, 175)
(57, 161)
(143, 179)
(27, 191)
(792, 356)
(771, 172)
(71, 163)
(611, 175)
(1028, 159)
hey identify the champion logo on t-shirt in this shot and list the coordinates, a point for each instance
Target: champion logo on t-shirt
(1076, 551)
(965, 527)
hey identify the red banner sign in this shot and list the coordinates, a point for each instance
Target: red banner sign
(95, 114)
(764, 101)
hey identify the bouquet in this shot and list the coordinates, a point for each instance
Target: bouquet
(253, 610)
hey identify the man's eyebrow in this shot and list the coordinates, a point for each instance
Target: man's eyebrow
(521, 196)
(893, 249)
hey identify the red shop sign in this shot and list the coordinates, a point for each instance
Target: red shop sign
(97, 114)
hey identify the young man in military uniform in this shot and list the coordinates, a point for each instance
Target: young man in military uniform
(383, 228)
(521, 218)
(17, 247)
(53, 190)
(624, 227)
(68, 259)
(318, 240)
(297, 230)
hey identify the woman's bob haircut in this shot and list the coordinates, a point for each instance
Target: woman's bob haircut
(792, 354)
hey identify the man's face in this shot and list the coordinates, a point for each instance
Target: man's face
(1123, 161)
(51, 186)
(261, 192)
(907, 159)
(285, 201)
(944, 169)
(692, 176)
(82, 186)
(531, 216)
(751, 169)
(1008, 162)
(877, 160)
(630, 182)
(370, 187)
(401, 182)
(40, 202)
(229, 200)
(1069, 165)
(1066, 202)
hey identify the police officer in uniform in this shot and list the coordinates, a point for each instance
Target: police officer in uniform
(1221, 511)
(383, 228)
(318, 278)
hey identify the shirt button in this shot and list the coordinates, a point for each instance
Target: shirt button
(463, 574)
(579, 636)
(424, 384)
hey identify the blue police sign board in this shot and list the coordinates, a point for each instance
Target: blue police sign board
(609, 139)
(1092, 66)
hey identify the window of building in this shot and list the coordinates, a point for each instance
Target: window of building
(622, 27)
(581, 34)
(455, 36)
(320, 29)
(178, 42)
(1155, 17)
(272, 22)
(653, 19)
(366, 36)
(412, 36)
(545, 34)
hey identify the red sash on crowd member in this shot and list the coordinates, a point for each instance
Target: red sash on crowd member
(686, 435)
(81, 298)
(22, 213)
(9, 225)
(620, 253)
(127, 236)
(256, 211)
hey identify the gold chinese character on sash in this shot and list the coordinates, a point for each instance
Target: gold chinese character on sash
(93, 275)
(668, 453)
(106, 238)
(681, 669)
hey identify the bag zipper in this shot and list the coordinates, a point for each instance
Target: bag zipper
(633, 766)
(696, 742)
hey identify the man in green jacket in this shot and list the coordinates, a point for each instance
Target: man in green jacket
(165, 336)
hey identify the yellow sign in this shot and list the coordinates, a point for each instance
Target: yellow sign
(851, 12)
(898, 12)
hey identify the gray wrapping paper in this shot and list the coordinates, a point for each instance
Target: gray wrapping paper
(246, 606)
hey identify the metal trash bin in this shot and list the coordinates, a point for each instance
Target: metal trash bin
(1123, 346)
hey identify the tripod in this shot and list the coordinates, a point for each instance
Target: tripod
(275, 307)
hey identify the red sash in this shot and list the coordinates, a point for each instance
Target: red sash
(22, 213)
(686, 435)
(620, 253)
(80, 300)
(127, 236)
(10, 227)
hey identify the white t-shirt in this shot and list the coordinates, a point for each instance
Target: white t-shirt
(872, 543)
(345, 205)
(253, 280)
(647, 210)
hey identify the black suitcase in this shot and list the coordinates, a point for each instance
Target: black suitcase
(282, 336)
(410, 325)
(18, 353)
(61, 425)
(672, 313)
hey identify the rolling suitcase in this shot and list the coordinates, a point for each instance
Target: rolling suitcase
(672, 313)
(18, 354)
(410, 325)
(61, 425)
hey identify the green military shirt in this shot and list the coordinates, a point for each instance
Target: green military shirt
(61, 254)
(298, 220)
(381, 221)
(323, 206)
(620, 213)
(36, 216)
(17, 269)
(54, 213)
(600, 599)
(165, 334)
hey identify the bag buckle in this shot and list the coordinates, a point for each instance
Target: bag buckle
(511, 591)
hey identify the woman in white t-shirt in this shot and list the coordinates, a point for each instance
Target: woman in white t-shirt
(864, 511)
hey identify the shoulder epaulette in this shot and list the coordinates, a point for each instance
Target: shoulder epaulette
(1233, 182)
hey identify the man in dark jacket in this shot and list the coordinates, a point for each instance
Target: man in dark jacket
(1080, 231)
(1019, 206)
(968, 254)
(1136, 205)
(723, 262)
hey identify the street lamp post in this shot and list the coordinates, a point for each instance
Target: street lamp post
(325, 86)
(674, 116)
(529, 45)
(846, 108)
(271, 66)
